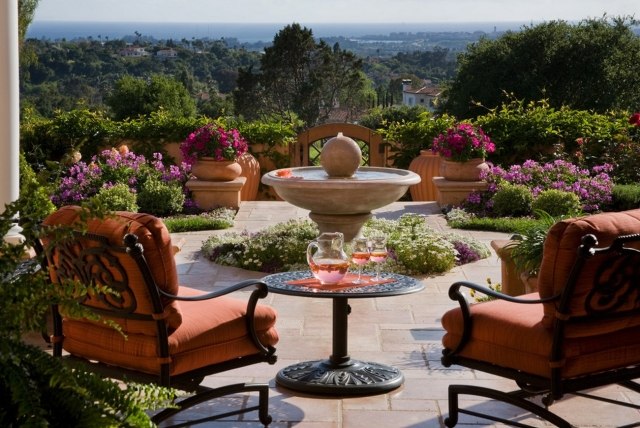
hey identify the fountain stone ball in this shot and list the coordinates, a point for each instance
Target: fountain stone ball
(340, 156)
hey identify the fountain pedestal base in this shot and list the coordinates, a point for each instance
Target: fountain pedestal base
(349, 224)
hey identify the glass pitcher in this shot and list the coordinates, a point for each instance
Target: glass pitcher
(329, 263)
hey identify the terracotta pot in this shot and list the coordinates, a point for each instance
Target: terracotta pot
(463, 171)
(250, 170)
(427, 166)
(209, 169)
(530, 282)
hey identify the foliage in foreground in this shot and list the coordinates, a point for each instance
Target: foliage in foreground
(414, 248)
(37, 389)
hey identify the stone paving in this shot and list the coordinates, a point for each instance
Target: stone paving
(402, 331)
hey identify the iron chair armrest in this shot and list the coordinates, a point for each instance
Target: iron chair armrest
(259, 286)
(260, 292)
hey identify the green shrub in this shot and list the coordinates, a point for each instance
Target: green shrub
(278, 248)
(512, 200)
(527, 246)
(557, 203)
(535, 130)
(497, 224)
(160, 199)
(418, 249)
(625, 197)
(409, 138)
(37, 204)
(413, 246)
(117, 198)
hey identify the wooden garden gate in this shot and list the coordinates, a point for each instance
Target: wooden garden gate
(307, 148)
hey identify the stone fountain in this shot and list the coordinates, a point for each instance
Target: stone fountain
(340, 194)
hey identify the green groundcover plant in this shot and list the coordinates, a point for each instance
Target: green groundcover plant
(414, 247)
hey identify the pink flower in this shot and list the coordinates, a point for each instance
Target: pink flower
(462, 143)
(213, 141)
(635, 119)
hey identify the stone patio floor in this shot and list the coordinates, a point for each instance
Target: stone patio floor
(403, 331)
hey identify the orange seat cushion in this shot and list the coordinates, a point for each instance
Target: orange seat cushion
(211, 331)
(512, 335)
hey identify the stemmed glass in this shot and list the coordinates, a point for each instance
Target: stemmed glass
(378, 252)
(360, 256)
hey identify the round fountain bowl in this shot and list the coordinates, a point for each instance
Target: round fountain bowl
(369, 188)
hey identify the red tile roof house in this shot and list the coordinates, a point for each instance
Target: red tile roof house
(426, 96)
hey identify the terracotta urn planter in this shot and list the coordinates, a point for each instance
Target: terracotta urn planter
(463, 171)
(250, 170)
(427, 166)
(209, 169)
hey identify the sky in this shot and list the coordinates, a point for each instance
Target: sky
(331, 11)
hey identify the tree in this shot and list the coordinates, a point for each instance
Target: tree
(298, 76)
(592, 66)
(26, 9)
(136, 96)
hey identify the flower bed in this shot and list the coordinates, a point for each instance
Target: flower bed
(83, 180)
(593, 187)
(414, 248)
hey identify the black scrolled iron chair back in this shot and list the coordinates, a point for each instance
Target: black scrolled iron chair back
(615, 283)
(91, 259)
(95, 264)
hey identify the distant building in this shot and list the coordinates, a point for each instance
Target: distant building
(426, 96)
(133, 51)
(167, 54)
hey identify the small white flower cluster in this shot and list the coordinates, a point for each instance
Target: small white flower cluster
(414, 247)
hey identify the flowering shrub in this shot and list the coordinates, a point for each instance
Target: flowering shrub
(213, 141)
(111, 167)
(462, 143)
(414, 248)
(278, 248)
(593, 187)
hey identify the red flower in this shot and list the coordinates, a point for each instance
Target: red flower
(635, 119)
(284, 173)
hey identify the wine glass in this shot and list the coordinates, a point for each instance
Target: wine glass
(378, 252)
(360, 256)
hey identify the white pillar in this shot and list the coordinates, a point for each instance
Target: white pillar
(9, 108)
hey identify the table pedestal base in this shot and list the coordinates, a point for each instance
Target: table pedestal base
(350, 378)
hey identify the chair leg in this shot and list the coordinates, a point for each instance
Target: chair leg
(514, 398)
(211, 393)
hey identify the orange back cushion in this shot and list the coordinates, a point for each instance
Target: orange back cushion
(156, 242)
(560, 253)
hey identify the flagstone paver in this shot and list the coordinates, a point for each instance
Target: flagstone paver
(404, 331)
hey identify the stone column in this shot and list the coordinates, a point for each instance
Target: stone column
(9, 109)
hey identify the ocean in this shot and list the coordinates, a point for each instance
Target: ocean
(245, 33)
